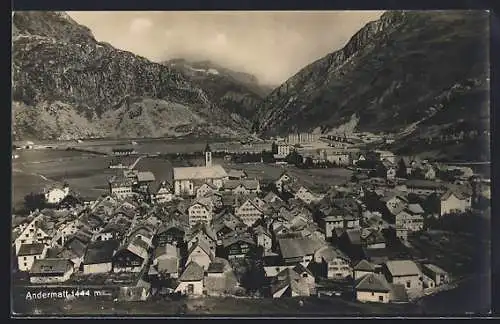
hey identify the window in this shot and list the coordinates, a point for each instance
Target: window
(25, 258)
(373, 294)
(25, 264)
(408, 284)
(190, 288)
(304, 275)
(381, 298)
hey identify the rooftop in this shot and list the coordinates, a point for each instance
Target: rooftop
(193, 272)
(52, 266)
(31, 249)
(145, 176)
(214, 172)
(364, 265)
(298, 247)
(434, 268)
(399, 268)
(373, 282)
(100, 252)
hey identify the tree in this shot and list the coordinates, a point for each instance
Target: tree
(401, 169)
(34, 201)
(254, 277)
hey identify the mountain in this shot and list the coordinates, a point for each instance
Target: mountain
(420, 75)
(236, 92)
(67, 85)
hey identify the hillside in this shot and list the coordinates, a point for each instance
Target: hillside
(419, 75)
(236, 92)
(67, 85)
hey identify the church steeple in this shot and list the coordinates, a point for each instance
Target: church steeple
(208, 156)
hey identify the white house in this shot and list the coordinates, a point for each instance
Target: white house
(373, 288)
(205, 189)
(163, 193)
(186, 178)
(32, 233)
(283, 149)
(51, 271)
(404, 272)
(28, 253)
(200, 211)
(55, 195)
(264, 238)
(249, 213)
(121, 187)
(307, 195)
(454, 202)
(191, 280)
(201, 254)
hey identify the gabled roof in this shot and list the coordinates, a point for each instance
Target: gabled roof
(214, 172)
(237, 173)
(237, 238)
(424, 184)
(457, 193)
(249, 184)
(373, 282)
(31, 249)
(354, 236)
(415, 209)
(166, 250)
(270, 196)
(145, 176)
(201, 227)
(364, 265)
(297, 247)
(399, 268)
(53, 266)
(100, 252)
(203, 245)
(193, 272)
(216, 267)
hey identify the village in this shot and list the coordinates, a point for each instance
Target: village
(208, 231)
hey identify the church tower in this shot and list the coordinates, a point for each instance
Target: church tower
(208, 156)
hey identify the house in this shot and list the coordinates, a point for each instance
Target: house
(335, 262)
(33, 232)
(201, 254)
(405, 272)
(143, 231)
(363, 268)
(339, 158)
(185, 178)
(56, 194)
(271, 198)
(409, 220)
(114, 230)
(455, 201)
(201, 232)
(200, 211)
(48, 271)
(424, 187)
(373, 287)
(429, 172)
(237, 174)
(99, 256)
(163, 192)
(298, 250)
(284, 150)
(243, 186)
(249, 212)
(74, 249)
(28, 253)
(263, 237)
(237, 246)
(121, 187)
(131, 257)
(438, 275)
(307, 196)
(191, 280)
(394, 202)
(283, 179)
(171, 233)
(205, 190)
(166, 261)
(372, 239)
(293, 282)
(220, 279)
(386, 170)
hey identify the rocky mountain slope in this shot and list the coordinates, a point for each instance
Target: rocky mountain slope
(421, 75)
(67, 85)
(237, 92)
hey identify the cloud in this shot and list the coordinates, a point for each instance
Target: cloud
(140, 25)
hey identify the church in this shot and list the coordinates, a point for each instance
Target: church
(188, 179)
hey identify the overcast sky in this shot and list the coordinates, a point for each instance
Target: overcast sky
(271, 45)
